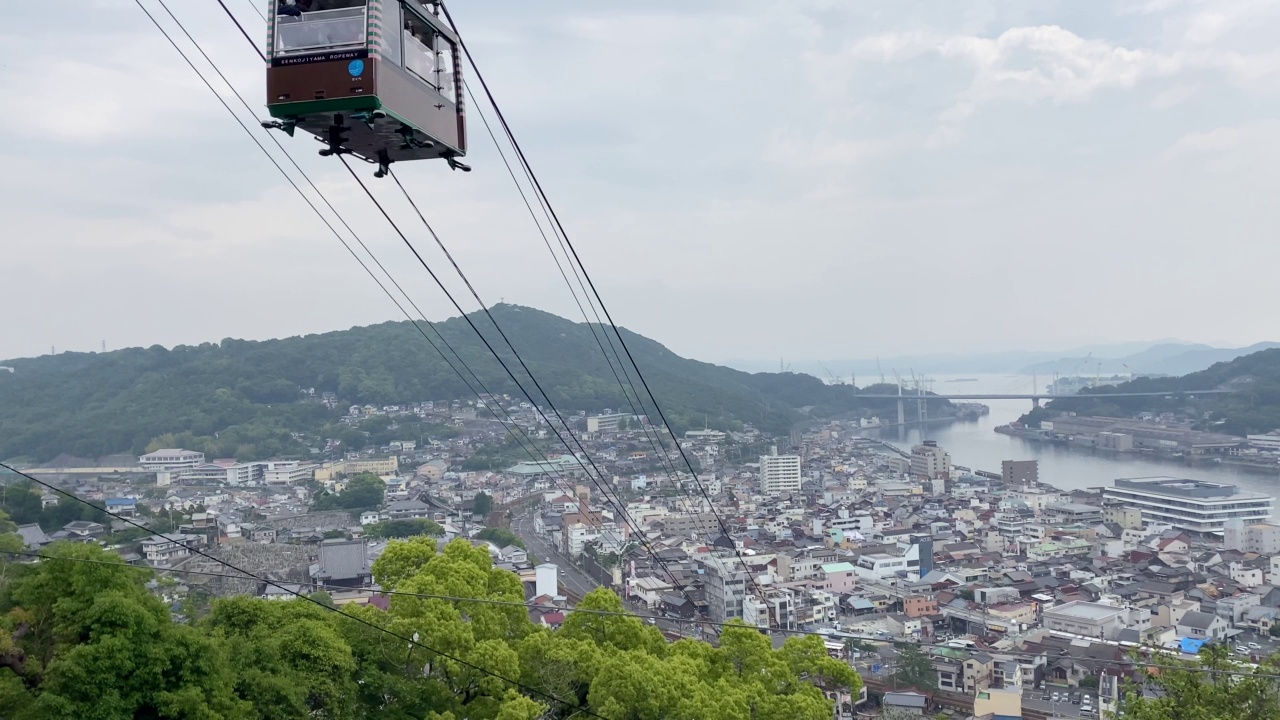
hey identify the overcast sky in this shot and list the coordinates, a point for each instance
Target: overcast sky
(745, 179)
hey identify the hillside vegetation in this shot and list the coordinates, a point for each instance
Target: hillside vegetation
(245, 398)
(1254, 407)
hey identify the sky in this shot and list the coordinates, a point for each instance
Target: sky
(745, 179)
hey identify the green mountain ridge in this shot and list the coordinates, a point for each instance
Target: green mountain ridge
(1254, 407)
(247, 393)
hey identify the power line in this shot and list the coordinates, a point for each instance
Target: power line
(600, 484)
(512, 423)
(657, 447)
(621, 509)
(569, 243)
(616, 613)
(362, 621)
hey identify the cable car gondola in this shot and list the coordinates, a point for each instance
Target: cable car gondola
(378, 79)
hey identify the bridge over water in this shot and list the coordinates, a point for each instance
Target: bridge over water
(922, 399)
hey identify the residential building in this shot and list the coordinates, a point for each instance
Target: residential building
(1261, 538)
(930, 461)
(1196, 506)
(779, 473)
(1202, 626)
(838, 577)
(166, 549)
(725, 586)
(920, 605)
(1020, 472)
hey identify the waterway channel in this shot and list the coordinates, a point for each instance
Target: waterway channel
(975, 444)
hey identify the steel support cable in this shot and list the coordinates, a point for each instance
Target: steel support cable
(512, 423)
(262, 55)
(621, 508)
(560, 226)
(273, 583)
(601, 482)
(650, 433)
(417, 210)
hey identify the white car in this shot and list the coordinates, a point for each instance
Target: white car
(1242, 650)
(1255, 646)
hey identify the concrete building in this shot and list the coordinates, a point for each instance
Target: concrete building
(1196, 506)
(725, 587)
(779, 473)
(1020, 472)
(171, 459)
(546, 580)
(930, 461)
(1261, 538)
(1084, 618)
(605, 423)
(287, 472)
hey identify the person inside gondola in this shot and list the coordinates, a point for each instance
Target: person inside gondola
(293, 8)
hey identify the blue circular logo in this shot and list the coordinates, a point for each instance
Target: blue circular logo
(356, 68)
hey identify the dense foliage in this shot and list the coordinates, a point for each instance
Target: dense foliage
(500, 537)
(1234, 691)
(244, 399)
(1254, 407)
(89, 641)
(403, 529)
(364, 491)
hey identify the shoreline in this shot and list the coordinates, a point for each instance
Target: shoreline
(1260, 469)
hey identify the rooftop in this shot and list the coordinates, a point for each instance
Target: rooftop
(1184, 487)
(1085, 611)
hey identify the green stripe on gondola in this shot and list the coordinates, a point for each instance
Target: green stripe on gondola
(313, 107)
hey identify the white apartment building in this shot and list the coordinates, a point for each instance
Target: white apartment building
(171, 459)
(224, 473)
(287, 472)
(1196, 506)
(1261, 538)
(779, 473)
(930, 461)
(605, 423)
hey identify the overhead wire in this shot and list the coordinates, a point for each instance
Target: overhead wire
(658, 449)
(621, 508)
(569, 244)
(282, 586)
(840, 635)
(511, 423)
(599, 479)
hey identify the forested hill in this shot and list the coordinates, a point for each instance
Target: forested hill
(1253, 408)
(250, 393)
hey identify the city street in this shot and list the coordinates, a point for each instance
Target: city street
(572, 579)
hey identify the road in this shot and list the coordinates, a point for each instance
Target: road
(572, 578)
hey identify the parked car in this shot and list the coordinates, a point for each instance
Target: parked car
(1075, 698)
(1254, 646)
(1242, 650)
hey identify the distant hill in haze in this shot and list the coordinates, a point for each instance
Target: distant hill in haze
(243, 398)
(1254, 407)
(1162, 359)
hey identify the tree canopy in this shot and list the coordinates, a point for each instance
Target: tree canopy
(1231, 690)
(90, 640)
(364, 491)
(245, 399)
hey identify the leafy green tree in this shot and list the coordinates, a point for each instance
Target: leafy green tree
(403, 528)
(482, 504)
(914, 669)
(364, 491)
(500, 537)
(1234, 691)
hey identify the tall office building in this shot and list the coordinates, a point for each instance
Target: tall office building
(779, 473)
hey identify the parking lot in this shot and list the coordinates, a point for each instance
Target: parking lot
(1086, 705)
